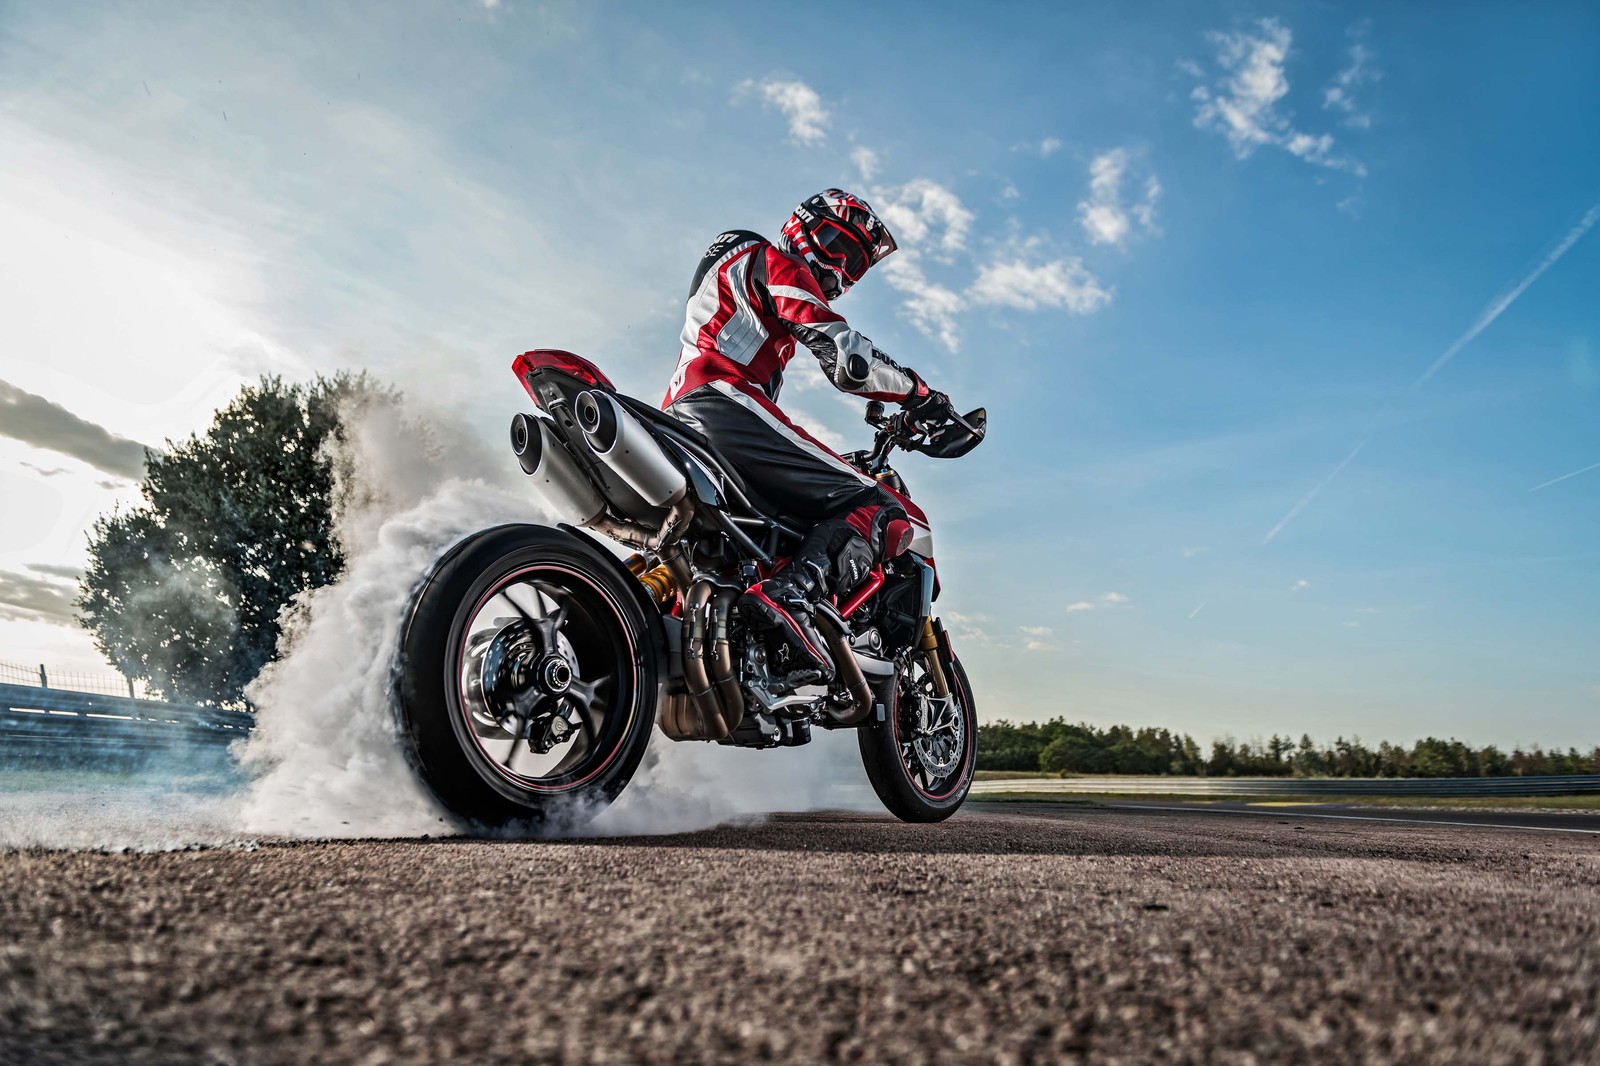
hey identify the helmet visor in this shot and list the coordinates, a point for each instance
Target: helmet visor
(843, 248)
(882, 243)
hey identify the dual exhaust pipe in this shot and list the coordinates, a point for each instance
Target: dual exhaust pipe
(616, 439)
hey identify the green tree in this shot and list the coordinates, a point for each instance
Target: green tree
(1075, 751)
(185, 590)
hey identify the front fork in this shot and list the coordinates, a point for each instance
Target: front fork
(931, 661)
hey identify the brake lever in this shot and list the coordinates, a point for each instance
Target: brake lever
(962, 422)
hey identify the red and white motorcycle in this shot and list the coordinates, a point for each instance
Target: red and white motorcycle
(533, 661)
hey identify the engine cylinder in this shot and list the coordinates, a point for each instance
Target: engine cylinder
(564, 484)
(625, 446)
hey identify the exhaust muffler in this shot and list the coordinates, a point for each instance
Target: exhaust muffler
(619, 441)
(543, 457)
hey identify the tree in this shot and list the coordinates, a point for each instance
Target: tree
(185, 590)
(1074, 751)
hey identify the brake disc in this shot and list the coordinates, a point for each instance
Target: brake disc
(938, 740)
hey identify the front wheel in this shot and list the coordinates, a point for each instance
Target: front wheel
(921, 758)
(526, 678)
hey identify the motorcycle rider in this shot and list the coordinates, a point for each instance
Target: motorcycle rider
(749, 305)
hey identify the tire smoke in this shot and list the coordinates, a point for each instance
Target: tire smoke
(324, 757)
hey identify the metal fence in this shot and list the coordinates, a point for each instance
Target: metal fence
(41, 725)
(1566, 785)
(104, 683)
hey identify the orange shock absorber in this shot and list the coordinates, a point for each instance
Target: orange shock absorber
(659, 582)
(656, 579)
(930, 660)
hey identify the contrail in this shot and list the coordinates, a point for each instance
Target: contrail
(1563, 477)
(1497, 308)
(1200, 608)
(1308, 497)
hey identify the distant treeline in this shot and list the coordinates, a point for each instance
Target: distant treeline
(1058, 746)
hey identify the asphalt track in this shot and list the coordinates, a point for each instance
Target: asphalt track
(1009, 934)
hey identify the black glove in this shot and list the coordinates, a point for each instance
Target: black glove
(931, 406)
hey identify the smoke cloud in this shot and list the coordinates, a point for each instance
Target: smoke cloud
(324, 759)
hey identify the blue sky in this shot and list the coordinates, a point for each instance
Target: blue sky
(1197, 260)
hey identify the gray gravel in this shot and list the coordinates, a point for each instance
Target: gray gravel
(1090, 935)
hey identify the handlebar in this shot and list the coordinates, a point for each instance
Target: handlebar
(947, 436)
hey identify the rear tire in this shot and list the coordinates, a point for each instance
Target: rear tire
(920, 796)
(528, 621)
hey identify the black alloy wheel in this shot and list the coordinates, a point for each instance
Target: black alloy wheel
(922, 757)
(527, 678)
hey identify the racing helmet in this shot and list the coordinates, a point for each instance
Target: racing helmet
(840, 236)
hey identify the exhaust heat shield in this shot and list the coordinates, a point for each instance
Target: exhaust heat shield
(563, 482)
(617, 438)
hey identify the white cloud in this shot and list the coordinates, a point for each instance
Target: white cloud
(970, 626)
(866, 161)
(820, 430)
(1340, 95)
(1190, 553)
(799, 102)
(1038, 638)
(1298, 585)
(931, 308)
(1044, 149)
(918, 209)
(1242, 107)
(1110, 599)
(1062, 283)
(1145, 210)
(924, 215)
(1243, 102)
(1105, 217)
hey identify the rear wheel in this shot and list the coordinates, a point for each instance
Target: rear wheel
(921, 759)
(527, 678)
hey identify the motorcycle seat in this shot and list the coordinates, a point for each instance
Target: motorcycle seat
(703, 448)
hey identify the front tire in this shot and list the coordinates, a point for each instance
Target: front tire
(930, 784)
(526, 678)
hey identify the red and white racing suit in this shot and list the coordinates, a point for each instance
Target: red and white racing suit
(750, 305)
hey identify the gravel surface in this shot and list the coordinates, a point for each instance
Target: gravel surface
(1092, 935)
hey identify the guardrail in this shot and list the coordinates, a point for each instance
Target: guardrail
(50, 725)
(1567, 785)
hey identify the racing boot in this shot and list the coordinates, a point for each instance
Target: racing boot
(785, 604)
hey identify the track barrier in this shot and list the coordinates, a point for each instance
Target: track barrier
(52, 726)
(1565, 785)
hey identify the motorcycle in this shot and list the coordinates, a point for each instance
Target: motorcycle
(533, 661)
